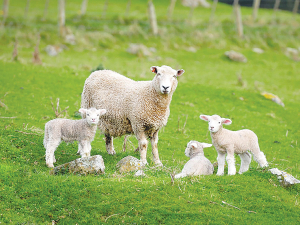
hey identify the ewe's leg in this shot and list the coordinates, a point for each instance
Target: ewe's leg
(154, 141)
(143, 147)
(109, 145)
(221, 163)
(259, 156)
(245, 162)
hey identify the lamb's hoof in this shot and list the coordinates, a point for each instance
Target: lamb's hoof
(50, 165)
(144, 162)
(220, 174)
(112, 152)
(158, 164)
(231, 174)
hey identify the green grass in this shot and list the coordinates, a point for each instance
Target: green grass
(28, 194)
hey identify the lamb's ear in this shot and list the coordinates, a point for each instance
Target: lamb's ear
(102, 111)
(153, 69)
(194, 145)
(82, 111)
(179, 72)
(226, 121)
(205, 117)
(205, 145)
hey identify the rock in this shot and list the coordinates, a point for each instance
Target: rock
(284, 178)
(258, 50)
(88, 165)
(195, 3)
(139, 173)
(236, 56)
(53, 50)
(128, 164)
(70, 39)
(139, 49)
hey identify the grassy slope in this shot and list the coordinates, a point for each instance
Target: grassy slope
(29, 194)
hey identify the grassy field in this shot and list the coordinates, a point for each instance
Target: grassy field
(29, 195)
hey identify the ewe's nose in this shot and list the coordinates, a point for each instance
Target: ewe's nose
(165, 87)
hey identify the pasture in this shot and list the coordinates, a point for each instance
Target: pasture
(211, 84)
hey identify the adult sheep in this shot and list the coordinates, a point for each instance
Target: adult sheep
(133, 107)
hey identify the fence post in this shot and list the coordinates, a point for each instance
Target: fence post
(213, 10)
(83, 7)
(295, 8)
(128, 8)
(256, 4)
(238, 18)
(276, 6)
(5, 11)
(104, 9)
(152, 17)
(171, 9)
(62, 17)
(26, 9)
(45, 10)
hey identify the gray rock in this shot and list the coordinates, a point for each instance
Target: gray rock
(128, 164)
(88, 165)
(236, 56)
(284, 178)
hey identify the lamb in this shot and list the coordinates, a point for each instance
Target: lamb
(67, 130)
(198, 163)
(133, 107)
(230, 142)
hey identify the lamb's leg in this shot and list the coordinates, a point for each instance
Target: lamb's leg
(245, 162)
(180, 175)
(143, 147)
(259, 156)
(109, 145)
(85, 150)
(51, 147)
(231, 162)
(154, 141)
(221, 163)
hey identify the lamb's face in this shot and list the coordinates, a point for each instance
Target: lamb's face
(195, 147)
(215, 122)
(92, 115)
(165, 81)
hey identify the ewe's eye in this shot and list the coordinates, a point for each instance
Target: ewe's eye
(88, 114)
(219, 122)
(158, 74)
(98, 115)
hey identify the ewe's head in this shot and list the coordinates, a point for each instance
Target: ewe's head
(92, 115)
(195, 147)
(215, 122)
(165, 80)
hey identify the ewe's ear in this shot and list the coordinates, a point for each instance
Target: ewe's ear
(205, 145)
(153, 69)
(102, 111)
(205, 117)
(194, 145)
(226, 121)
(82, 111)
(179, 72)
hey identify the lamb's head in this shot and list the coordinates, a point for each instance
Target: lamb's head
(165, 80)
(215, 122)
(195, 147)
(92, 115)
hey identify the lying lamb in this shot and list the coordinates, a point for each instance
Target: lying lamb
(230, 142)
(198, 163)
(134, 107)
(83, 131)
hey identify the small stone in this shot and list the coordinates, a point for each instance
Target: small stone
(87, 165)
(128, 164)
(258, 50)
(236, 56)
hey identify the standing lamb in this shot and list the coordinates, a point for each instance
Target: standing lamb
(230, 142)
(83, 131)
(198, 163)
(133, 107)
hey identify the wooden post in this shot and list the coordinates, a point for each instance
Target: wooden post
(256, 5)
(83, 7)
(15, 51)
(238, 18)
(104, 9)
(296, 6)
(62, 17)
(276, 6)
(26, 9)
(171, 9)
(36, 54)
(127, 8)
(213, 10)
(5, 11)
(152, 17)
(45, 10)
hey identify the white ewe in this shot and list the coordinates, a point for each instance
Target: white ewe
(198, 163)
(139, 107)
(83, 131)
(230, 142)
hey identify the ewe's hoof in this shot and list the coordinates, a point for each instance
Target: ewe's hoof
(158, 164)
(112, 152)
